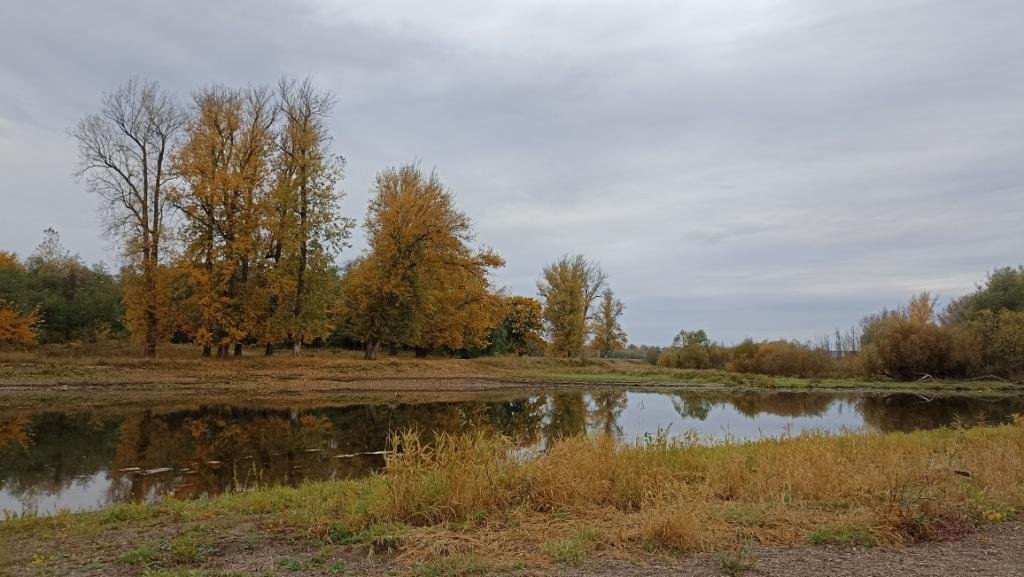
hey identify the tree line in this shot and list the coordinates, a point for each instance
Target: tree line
(226, 212)
(978, 335)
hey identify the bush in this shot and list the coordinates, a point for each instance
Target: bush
(694, 356)
(780, 358)
(1001, 339)
(906, 349)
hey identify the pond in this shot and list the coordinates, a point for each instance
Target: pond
(52, 461)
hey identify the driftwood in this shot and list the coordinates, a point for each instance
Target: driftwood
(989, 378)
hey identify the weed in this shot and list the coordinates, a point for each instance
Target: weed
(843, 535)
(144, 555)
(736, 563)
(573, 550)
(188, 550)
(454, 566)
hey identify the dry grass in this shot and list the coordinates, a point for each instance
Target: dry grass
(474, 496)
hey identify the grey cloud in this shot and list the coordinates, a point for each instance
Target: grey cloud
(755, 169)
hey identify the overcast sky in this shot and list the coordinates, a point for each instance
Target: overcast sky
(763, 168)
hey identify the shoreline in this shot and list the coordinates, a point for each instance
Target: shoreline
(33, 380)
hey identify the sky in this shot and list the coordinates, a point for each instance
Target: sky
(763, 169)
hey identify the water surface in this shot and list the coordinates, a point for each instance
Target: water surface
(50, 461)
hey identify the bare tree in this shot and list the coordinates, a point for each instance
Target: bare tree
(124, 152)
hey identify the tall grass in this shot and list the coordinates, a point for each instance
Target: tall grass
(480, 496)
(678, 495)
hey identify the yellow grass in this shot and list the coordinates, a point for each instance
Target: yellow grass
(478, 496)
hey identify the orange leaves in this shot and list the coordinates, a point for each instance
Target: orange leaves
(16, 328)
(421, 284)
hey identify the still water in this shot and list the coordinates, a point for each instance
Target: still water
(51, 461)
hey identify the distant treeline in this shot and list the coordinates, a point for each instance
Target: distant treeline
(978, 335)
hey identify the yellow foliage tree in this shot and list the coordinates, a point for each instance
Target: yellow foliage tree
(420, 284)
(608, 333)
(569, 287)
(9, 260)
(523, 325)
(225, 164)
(304, 228)
(16, 328)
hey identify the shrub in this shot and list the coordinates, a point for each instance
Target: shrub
(780, 358)
(694, 356)
(906, 349)
(1001, 339)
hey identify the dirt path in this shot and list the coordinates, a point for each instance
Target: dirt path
(995, 551)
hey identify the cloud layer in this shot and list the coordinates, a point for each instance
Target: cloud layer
(765, 168)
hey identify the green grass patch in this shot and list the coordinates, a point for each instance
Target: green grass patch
(850, 535)
(453, 566)
(573, 551)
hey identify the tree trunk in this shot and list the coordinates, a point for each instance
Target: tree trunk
(297, 348)
(207, 350)
(222, 351)
(370, 352)
(393, 349)
(238, 349)
(269, 350)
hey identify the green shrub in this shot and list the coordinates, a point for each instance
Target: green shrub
(1001, 338)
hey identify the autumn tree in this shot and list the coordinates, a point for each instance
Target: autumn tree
(607, 333)
(521, 328)
(569, 288)
(124, 154)
(225, 167)
(17, 328)
(420, 284)
(305, 228)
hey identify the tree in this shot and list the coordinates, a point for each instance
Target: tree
(225, 166)
(569, 287)
(1003, 290)
(420, 284)
(17, 328)
(521, 328)
(305, 228)
(71, 300)
(124, 152)
(608, 333)
(697, 337)
(1001, 337)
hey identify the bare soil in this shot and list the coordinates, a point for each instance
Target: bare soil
(256, 548)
